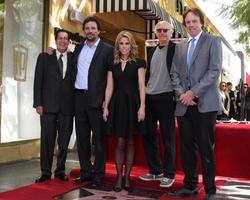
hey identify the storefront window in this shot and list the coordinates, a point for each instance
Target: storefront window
(21, 33)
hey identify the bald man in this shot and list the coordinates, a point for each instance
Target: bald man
(160, 107)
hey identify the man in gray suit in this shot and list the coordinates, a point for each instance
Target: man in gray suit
(196, 67)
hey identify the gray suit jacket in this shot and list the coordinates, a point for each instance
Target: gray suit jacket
(205, 69)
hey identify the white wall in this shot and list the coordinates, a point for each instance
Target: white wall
(232, 65)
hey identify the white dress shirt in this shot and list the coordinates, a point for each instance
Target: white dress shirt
(84, 59)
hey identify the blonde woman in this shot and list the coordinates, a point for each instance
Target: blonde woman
(225, 102)
(126, 112)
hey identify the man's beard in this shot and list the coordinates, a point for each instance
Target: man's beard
(90, 39)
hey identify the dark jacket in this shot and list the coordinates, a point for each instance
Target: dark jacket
(51, 91)
(97, 76)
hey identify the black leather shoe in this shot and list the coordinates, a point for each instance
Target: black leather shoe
(81, 180)
(210, 197)
(62, 177)
(184, 192)
(128, 188)
(96, 184)
(117, 189)
(42, 179)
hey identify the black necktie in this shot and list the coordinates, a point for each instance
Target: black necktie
(60, 63)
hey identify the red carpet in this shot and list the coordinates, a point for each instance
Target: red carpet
(152, 185)
(232, 160)
(231, 150)
(54, 187)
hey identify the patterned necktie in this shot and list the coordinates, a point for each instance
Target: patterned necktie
(60, 63)
(190, 54)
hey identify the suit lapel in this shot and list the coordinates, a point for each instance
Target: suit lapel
(77, 51)
(198, 47)
(97, 52)
(68, 64)
(185, 51)
(183, 55)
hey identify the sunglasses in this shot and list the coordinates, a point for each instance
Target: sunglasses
(159, 30)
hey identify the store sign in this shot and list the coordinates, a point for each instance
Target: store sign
(76, 9)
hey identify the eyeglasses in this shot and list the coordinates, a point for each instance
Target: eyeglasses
(159, 30)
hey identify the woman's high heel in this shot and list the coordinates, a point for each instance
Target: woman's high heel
(128, 188)
(117, 188)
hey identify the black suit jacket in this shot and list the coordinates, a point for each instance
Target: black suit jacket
(50, 90)
(97, 76)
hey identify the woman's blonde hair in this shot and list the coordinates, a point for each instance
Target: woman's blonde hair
(133, 51)
(222, 83)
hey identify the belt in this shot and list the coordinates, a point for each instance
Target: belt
(81, 91)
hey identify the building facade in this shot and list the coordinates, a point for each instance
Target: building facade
(27, 28)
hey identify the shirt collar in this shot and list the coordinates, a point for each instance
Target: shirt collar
(196, 37)
(58, 53)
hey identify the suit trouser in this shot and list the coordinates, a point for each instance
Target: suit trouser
(51, 124)
(88, 118)
(247, 114)
(160, 108)
(197, 132)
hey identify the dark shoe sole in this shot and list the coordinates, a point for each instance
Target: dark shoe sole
(81, 180)
(117, 189)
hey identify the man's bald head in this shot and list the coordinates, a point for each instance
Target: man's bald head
(163, 31)
(163, 24)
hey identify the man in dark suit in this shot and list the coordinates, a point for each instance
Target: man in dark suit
(54, 102)
(92, 60)
(196, 67)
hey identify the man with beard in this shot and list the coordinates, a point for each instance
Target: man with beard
(92, 59)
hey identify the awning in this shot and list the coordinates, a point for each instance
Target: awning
(147, 9)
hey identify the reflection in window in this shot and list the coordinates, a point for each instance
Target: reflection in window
(21, 41)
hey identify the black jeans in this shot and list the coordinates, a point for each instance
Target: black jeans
(160, 108)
